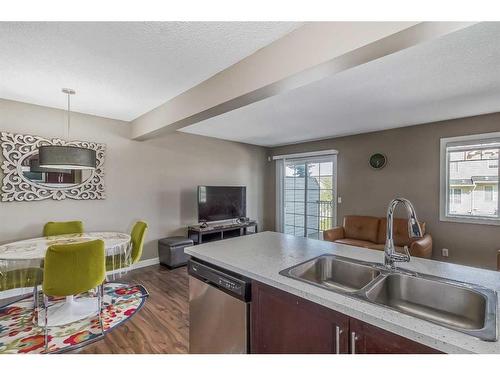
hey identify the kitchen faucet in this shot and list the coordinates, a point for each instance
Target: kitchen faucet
(414, 231)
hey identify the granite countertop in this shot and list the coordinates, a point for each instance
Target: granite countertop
(261, 256)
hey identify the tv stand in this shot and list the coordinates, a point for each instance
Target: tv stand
(217, 232)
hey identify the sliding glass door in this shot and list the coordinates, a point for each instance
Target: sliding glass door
(308, 195)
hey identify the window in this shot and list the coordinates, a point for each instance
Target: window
(456, 196)
(306, 188)
(469, 179)
(488, 193)
(493, 163)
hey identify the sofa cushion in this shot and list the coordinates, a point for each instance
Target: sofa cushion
(361, 227)
(401, 237)
(353, 242)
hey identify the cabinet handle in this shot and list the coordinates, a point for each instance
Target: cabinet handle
(354, 337)
(338, 332)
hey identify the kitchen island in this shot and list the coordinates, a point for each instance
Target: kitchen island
(262, 256)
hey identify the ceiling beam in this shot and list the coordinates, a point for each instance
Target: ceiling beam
(308, 54)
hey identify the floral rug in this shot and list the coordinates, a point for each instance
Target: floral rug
(18, 333)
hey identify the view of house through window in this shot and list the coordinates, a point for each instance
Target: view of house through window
(308, 197)
(472, 180)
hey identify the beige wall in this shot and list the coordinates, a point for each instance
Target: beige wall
(412, 172)
(154, 180)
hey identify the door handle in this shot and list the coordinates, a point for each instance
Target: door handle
(354, 338)
(338, 332)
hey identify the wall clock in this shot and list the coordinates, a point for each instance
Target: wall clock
(378, 161)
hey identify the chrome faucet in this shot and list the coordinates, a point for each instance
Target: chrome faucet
(414, 231)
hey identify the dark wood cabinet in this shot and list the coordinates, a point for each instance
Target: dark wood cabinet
(367, 339)
(284, 323)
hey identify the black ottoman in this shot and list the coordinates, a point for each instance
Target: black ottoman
(171, 251)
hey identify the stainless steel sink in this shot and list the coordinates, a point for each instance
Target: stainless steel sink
(333, 272)
(464, 307)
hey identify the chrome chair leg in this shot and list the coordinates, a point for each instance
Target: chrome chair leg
(35, 304)
(46, 308)
(100, 303)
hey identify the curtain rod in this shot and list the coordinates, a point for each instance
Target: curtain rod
(306, 154)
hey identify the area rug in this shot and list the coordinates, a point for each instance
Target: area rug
(18, 333)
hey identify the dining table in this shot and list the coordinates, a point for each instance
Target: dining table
(30, 253)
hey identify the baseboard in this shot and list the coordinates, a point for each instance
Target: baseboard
(21, 291)
(139, 264)
(146, 263)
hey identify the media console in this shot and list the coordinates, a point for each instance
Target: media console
(217, 232)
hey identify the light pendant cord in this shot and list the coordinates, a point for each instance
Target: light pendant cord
(69, 116)
(69, 92)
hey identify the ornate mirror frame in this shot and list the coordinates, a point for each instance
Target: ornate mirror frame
(17, 188)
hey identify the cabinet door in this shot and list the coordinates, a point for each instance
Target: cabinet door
(367, 339)
(283, 323)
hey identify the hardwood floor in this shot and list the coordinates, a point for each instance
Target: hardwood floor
(162, 326)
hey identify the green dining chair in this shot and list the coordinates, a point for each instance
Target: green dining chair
(20, 278)
(30, 277)
(113, 262)
(55, 228)
(71, 269)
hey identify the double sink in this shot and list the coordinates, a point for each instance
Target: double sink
(464, 307)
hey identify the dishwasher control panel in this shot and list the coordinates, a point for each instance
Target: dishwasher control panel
(237, 286)
(228, 284)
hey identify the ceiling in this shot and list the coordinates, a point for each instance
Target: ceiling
(454, 76)
(121, 70)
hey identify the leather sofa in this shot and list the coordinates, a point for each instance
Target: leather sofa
(370, 232)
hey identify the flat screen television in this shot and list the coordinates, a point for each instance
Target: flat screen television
(221, 203)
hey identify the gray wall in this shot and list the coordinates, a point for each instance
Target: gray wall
(154, 180)
(412, 172)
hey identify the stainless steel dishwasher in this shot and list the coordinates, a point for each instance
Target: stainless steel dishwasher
(219, 310)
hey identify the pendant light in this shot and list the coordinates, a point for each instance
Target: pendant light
(35, 168)
(66, 157)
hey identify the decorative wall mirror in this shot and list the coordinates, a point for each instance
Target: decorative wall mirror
(24, 179)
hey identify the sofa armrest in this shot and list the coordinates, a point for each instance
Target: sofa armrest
(422, 247)
(333, 234)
